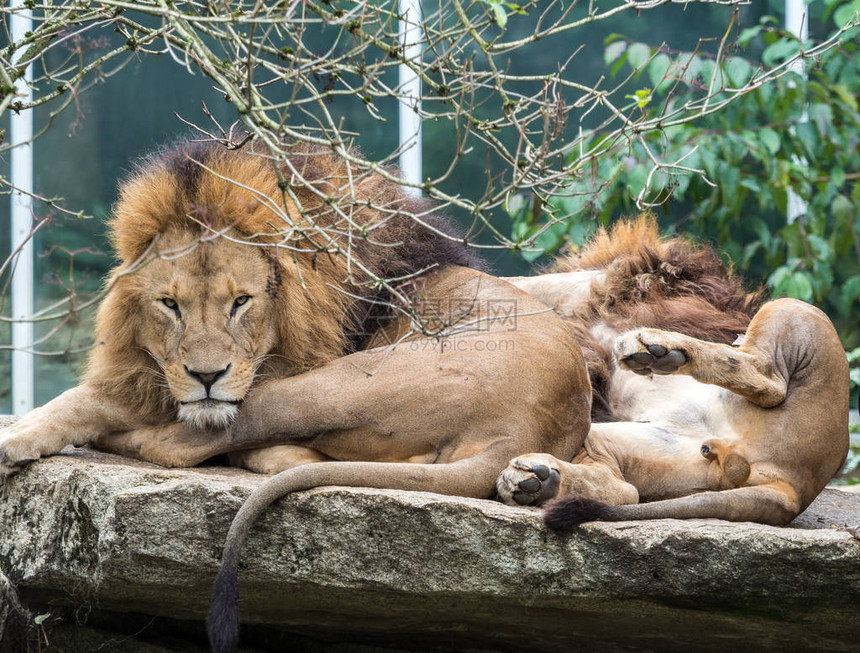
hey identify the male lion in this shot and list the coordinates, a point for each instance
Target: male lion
(247, 309)
(688, 424)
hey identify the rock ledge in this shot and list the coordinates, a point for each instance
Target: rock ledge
(334, 568)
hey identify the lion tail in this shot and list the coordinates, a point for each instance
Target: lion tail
(469, 477)
(222, 622)
(773, 503)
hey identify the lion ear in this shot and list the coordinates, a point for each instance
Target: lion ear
(147, 202)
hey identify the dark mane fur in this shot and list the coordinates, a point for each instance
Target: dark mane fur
(328, 228)
(398, 245)
(670, 284)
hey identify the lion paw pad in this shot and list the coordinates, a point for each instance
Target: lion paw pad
(647, 359)
(528, 485)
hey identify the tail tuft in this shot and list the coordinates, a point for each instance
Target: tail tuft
(222, 623)
(568, 512)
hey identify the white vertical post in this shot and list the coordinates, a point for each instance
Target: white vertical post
(21, 176)
(796, 22)
(410, 94)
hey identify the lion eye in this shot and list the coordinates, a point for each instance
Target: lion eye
(173, 305)
(239, 301)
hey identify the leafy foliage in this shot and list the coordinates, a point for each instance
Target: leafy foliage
(791, 145)
(854, 370)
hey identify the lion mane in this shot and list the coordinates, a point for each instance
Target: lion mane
(326, 301)
(650, 281)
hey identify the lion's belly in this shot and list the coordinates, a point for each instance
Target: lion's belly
(672, 417)
(637, 398)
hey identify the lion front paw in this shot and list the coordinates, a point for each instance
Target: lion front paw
(529, 480)
(21, 443)
(14, 452)
(6, 472)
(649, 351)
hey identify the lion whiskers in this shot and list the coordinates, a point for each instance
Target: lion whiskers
(271, 370)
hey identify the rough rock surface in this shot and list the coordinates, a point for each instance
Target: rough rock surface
(96, 541)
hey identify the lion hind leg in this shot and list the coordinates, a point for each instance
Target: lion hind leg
(275, 459)
(773, 503)
(747, 371)
(534, 479)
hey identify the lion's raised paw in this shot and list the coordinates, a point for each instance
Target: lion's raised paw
(648, 351)
(529, 480)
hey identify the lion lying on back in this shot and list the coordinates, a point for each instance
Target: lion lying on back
(687, 425)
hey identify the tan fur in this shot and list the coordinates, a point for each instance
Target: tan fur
(698, 427)
(234, 321)
(235, 275)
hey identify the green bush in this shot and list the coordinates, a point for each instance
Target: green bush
(734, 168)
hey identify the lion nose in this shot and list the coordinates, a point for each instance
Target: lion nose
(207, 379)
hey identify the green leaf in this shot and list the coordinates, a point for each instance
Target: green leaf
(846, 96)
(806, 134)
(780, 51)
(845, 13)
(500, 14)
(658, 70)
(40, 619)
(518, 206)
(637, 178)
(770, 139)
(581, 230)
(748, 34)
(850, 293)
(637, 55)
(548, 241)
(738, 70)
(784, 282)
(750, 251)
(531, 255)
(820, 115)
(571, 206)
(780, 199)
(707, 70)
(830, 5)
(642, 97)
(751, 183)
(842, 209)
(613, 51)
(800, 287)
(613, 70)
(690, 68)
(837, 176)
(820, 247)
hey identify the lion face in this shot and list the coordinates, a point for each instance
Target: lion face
(206, 311)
